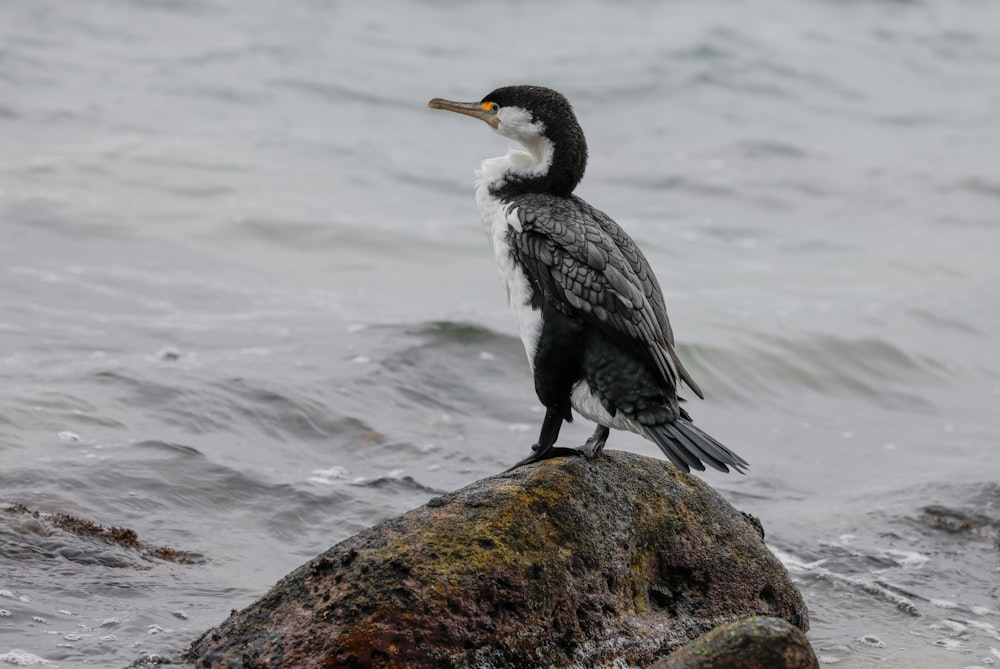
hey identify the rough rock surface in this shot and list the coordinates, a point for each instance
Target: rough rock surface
(560, 563)
(753, 643)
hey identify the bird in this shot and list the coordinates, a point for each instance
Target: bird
(588, 307)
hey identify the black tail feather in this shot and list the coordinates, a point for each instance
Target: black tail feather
(688, 447)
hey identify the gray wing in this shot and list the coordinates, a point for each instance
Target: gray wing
(583, 272)
(650, 286)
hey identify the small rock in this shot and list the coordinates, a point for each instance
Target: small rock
(169, 354)
(754, 643)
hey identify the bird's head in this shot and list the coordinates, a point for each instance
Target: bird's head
(540, 119)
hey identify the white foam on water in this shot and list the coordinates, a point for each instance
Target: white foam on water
(944, 604)
(872, 641)
(948, 644)
(907, 558)
(328, 476)
(951, 625)
(20, 658)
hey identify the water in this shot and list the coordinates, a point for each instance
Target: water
(246, 308)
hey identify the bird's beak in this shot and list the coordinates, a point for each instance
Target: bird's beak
(473, 109)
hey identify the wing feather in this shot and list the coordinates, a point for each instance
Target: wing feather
(647, 283)
(594, 272)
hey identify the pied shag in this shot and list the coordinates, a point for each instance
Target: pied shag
(588, 307)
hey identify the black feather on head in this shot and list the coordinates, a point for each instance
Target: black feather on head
(554, 112)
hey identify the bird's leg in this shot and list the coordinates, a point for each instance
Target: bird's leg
(549, 433)
(595, 444)
(545, 448)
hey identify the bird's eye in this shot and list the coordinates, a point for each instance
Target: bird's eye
(490, 106)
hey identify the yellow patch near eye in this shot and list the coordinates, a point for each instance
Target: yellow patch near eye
(488, 106)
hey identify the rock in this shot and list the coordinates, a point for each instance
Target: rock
(81, 540)
(563, 562)
(754, 643)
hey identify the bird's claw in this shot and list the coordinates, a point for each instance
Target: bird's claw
(551, 452)
(593, 446)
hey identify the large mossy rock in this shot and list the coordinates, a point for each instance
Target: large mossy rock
(559, 563)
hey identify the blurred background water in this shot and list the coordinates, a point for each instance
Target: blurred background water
(247, 309)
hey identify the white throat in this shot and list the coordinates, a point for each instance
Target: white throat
(533, 162)
(536, 158)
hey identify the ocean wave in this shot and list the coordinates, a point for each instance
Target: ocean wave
(779, 367)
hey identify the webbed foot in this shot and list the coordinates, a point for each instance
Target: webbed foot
(539, 454)
(593, 447)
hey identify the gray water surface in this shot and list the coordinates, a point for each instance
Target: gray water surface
(247, 309)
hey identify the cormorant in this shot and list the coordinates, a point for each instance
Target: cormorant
(588, 307)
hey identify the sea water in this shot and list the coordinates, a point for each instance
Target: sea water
(247, 308)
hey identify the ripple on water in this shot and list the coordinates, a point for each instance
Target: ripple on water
(876, 369)
(269, 409)
(901, 561)
(397, 484)
(848, 134)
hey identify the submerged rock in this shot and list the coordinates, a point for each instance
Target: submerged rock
(80, 540)
(754, 643)
(560, 563)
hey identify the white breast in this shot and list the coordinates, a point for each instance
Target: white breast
(497, 222)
